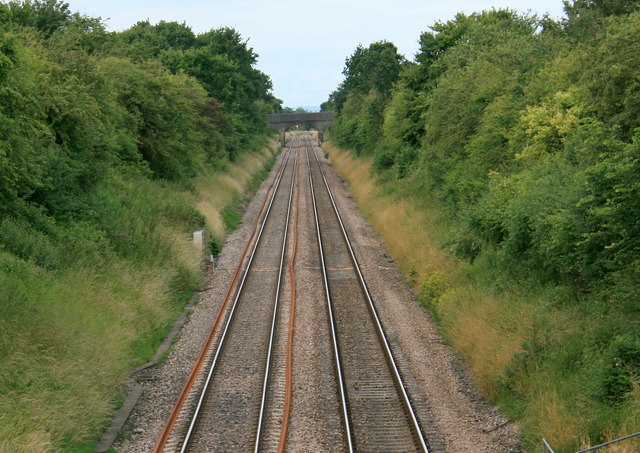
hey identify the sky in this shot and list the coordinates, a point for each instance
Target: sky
(302, 45)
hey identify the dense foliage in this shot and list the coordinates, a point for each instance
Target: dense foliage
(527, 132)
(80, 105)
(101, 137)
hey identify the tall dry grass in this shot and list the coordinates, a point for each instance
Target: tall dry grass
(489, 328)
(405, 231)
(223, 188)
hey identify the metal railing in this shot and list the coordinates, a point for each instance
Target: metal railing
(546, 448)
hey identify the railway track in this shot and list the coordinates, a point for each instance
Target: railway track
(377, 411)
(239, 397)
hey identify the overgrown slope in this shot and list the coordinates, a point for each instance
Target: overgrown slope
(109, 144)
(520, 135)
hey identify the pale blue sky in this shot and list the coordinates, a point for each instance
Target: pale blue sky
(303, 44)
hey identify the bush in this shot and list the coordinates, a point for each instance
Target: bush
(619, 369)
(433, 288)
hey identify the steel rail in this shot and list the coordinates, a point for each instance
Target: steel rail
(286, 413)
(374, 313)
(276, 305)
(212, 368)
(195, 371)
(332, 321)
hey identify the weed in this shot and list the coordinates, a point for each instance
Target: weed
(232, 217)
(433, 288)
(215, 246)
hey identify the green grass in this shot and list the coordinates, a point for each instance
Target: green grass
(258, 178)
(261, 176)
(84, 301)
(232, 215)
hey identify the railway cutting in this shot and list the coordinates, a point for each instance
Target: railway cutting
(285, 323)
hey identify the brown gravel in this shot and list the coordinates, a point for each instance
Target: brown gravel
(464, 420)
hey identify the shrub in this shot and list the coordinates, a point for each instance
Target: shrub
(619, 369)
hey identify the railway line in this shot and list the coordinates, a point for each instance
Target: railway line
(241, 395)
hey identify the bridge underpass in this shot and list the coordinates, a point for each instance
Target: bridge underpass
(281, 122)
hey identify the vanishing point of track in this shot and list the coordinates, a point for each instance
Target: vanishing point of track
(238, 396)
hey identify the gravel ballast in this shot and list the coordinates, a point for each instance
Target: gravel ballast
(464, 420)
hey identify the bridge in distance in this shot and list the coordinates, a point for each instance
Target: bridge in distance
(281, 122)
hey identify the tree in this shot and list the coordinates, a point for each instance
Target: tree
(444, 35)
(603, 8)
(224, 65)
(44, 15)
(228, 41)
(374, 68)
(585, 17)
(144, 41)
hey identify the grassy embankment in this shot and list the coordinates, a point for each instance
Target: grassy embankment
(488, 321)
(74, 321)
